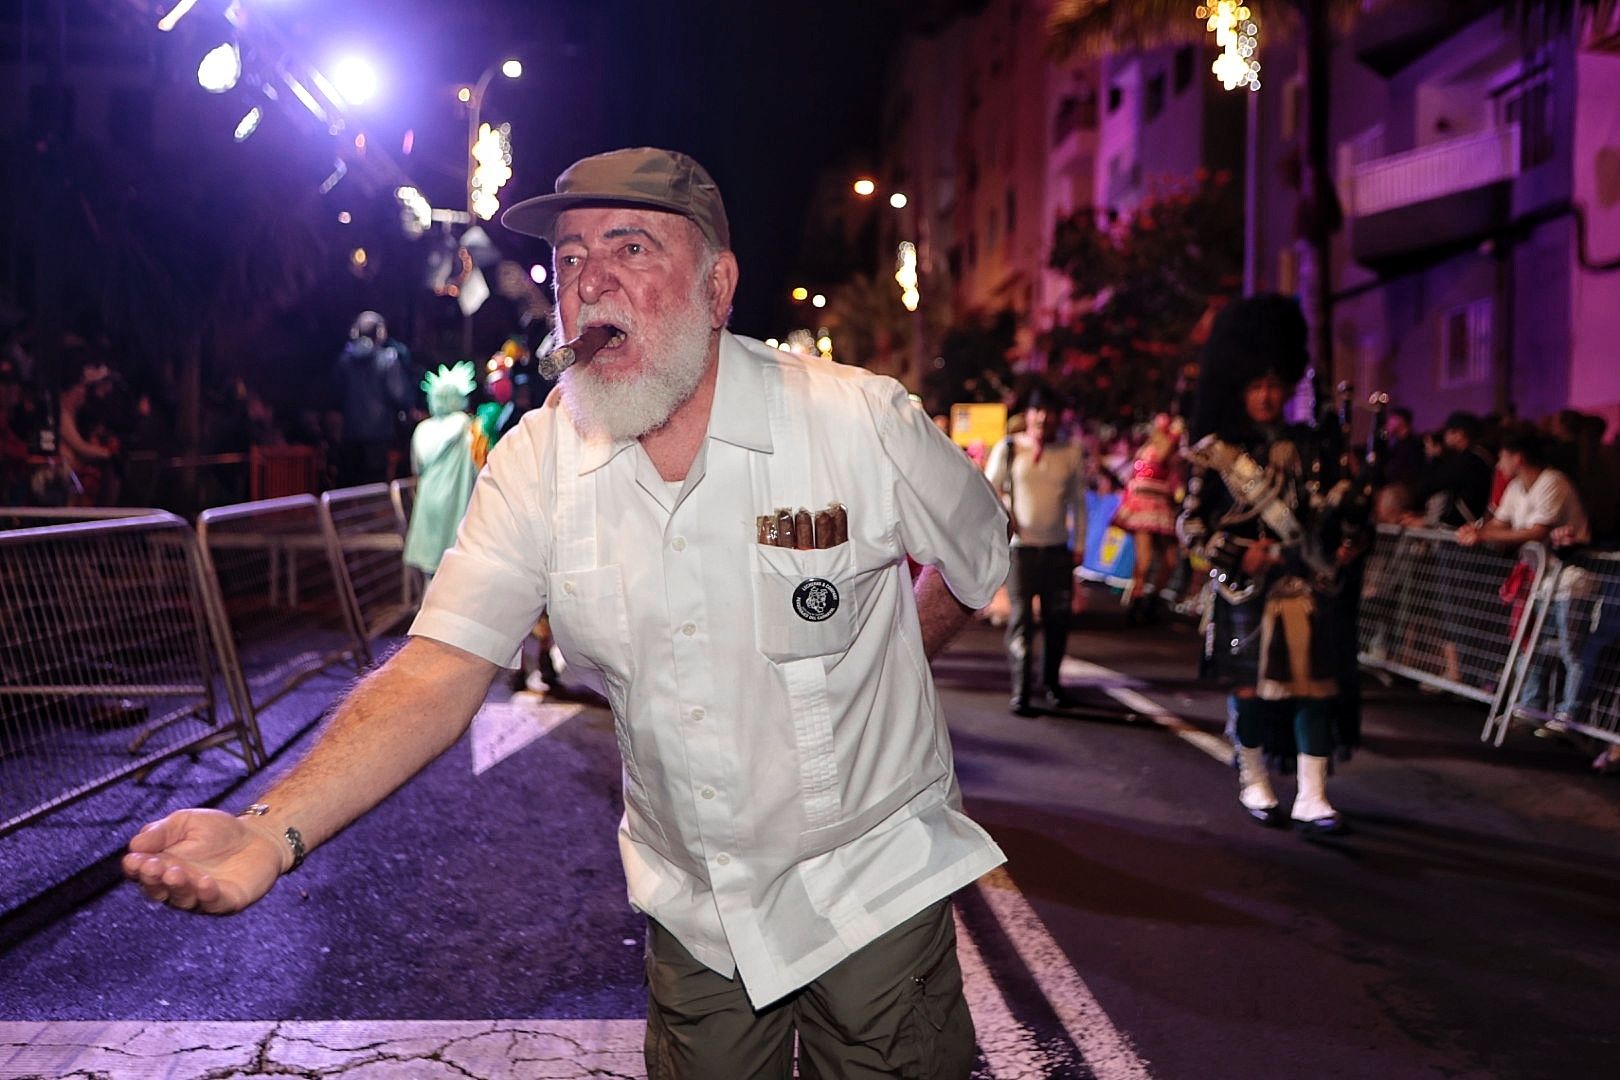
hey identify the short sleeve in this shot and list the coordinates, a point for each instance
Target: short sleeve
(1548, 503)
(948, 515)
(490, 587)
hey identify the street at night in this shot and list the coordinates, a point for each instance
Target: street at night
(1142, 927)
(718, 540)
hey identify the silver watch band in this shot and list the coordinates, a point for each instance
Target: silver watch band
(295, 840)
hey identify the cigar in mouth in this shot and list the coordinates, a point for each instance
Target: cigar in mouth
(590, 341)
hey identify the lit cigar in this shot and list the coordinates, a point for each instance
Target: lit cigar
(584, 347)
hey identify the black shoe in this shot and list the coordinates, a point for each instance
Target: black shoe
(1271, 816)
(1022, 707)
(1061, 699)
(1332, 825)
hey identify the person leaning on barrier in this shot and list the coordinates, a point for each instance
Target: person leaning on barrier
(1265, 507)
(1539, 501)
(1455, 491)
(793, 826)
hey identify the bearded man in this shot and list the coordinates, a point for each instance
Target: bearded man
(793, 827)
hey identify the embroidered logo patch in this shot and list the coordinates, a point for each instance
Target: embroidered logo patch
(815, 599)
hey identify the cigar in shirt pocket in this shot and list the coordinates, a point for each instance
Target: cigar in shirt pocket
(803, 530)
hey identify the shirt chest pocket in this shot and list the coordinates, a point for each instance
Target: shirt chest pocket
(590, 621)
(804, 601)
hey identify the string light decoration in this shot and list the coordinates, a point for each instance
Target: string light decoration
(1237, 32)
(905, 275)
(493, 153)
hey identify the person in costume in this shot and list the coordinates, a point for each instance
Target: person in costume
(442, 459)
(1279, 521)
(1148, 513)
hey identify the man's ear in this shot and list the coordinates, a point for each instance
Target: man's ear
(722, 288)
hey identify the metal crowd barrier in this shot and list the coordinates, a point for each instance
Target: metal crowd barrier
(1568, 669)
(403, 493)
(370, 533)
(1446, 615)
(281, 581)
(113, 658)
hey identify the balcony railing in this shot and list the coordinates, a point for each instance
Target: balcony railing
(1434, 171)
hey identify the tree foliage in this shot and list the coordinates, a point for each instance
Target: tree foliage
(1140, 286)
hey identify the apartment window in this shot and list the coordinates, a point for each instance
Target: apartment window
(1465, 345)
(1184, 67)
(1116, 97)
(1529, 104)
(1154, 103)
(1077, 112)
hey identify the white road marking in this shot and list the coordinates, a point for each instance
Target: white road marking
(1008, 1047)
(1107, 1051)
(1116, 684)
(502, 728)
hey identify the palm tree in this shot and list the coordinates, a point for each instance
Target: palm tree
(1089, 28)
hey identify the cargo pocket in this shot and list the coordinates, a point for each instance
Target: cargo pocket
(941, 1028)
(804, 601)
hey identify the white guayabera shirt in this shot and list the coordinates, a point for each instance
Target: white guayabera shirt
(789, 788)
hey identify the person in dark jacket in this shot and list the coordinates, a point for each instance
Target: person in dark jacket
(374, 377)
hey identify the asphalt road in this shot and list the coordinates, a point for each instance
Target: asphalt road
(1468, 927)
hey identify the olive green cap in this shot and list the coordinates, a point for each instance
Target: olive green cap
(644, 176)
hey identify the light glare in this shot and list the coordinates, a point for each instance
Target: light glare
(818, 300)
(220, 69)
(512, 69)
(865, 186)
(537, 274)
(898, 200)
(175, 14)
(248, 124)
(801, 293)
(356, 79)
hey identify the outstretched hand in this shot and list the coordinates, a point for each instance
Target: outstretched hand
(204, 860)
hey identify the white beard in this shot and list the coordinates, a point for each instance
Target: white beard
(673, 362)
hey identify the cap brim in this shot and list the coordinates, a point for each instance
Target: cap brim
(538, 216)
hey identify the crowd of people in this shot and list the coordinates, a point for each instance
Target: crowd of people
(1482, 480)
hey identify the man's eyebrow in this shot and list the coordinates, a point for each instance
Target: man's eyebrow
(612, 234)
(630, 230)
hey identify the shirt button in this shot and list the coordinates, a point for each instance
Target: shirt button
(679, 543)
(708, 793)
(689, 629)
(723, 859)
(568, 587)
(697, 714)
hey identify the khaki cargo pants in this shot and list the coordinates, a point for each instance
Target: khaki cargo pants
(893, 1009)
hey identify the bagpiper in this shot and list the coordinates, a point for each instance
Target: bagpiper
(1278, 517)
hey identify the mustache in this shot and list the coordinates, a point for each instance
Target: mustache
(604, 312)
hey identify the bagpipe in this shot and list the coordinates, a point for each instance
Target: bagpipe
(1310, 519)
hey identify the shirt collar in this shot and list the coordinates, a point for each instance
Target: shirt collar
(741, 415)
(738, 415)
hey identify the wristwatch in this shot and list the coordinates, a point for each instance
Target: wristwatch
(294, 839)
